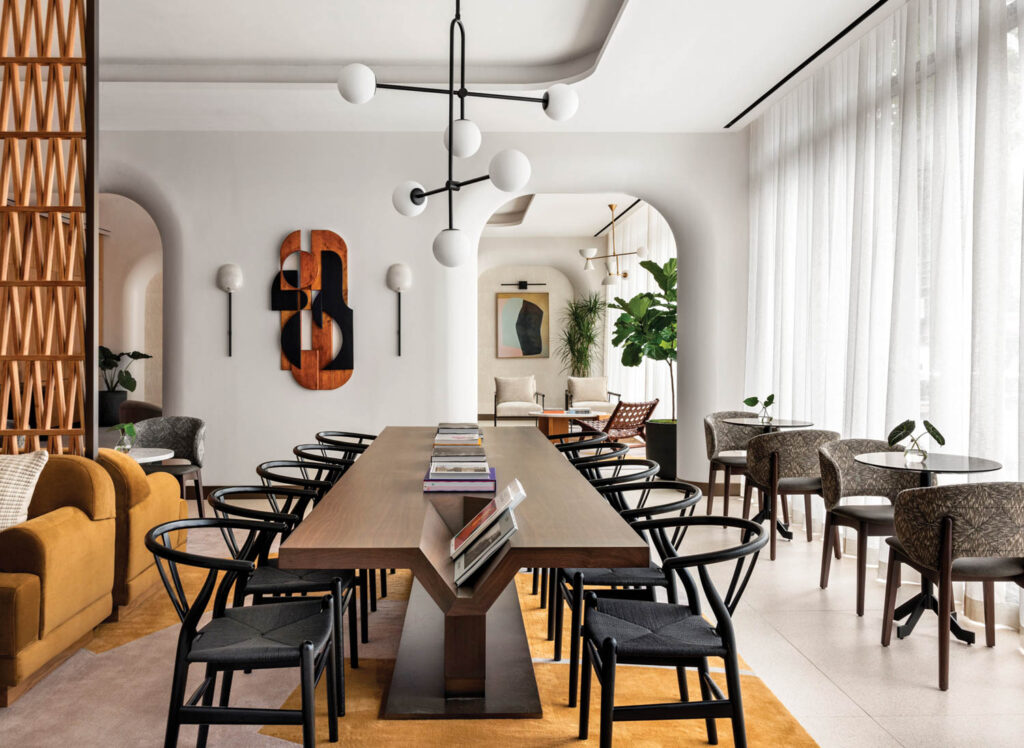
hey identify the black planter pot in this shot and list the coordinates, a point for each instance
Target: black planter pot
(109, 405)
(661, 446)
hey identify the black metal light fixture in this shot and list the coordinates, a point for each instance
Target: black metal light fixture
(509, 170)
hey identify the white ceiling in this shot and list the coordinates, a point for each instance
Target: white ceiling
(667, 66)
(563, 216)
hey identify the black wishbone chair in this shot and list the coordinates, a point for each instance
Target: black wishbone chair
(637, 584)
(271, 584)
(296, 473)
(351, 441)
(576, 440)
(277, 635)
(638, 632)
(328, 462)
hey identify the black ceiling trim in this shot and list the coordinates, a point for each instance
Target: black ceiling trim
(831, 42)
(618, 217)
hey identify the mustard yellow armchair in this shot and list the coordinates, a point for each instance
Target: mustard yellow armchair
(56, 572)
(143, 502)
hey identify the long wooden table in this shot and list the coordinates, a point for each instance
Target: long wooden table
(454, 659)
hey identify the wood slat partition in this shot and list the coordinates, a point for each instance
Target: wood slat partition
(46, 361)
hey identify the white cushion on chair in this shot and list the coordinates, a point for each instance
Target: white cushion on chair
(515, 389)
(594, 405)
(590, 389)
(517, 408)
(18, 477)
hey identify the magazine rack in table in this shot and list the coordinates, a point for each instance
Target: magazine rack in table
(377, 516)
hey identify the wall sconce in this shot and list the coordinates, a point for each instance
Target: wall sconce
(399, 278)
(229, 280)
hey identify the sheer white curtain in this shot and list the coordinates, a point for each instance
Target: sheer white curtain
(642, 227)
(886, 216)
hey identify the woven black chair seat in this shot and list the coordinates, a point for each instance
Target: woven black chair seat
(638, 577)
(263, 635)
(269, 579)
(174, 469)
(644, 630)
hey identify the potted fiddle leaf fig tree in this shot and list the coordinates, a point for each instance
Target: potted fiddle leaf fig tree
(115, 368)
(646, 329)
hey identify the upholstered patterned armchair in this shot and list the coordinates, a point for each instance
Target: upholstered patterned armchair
(187, 437)
(727, 451)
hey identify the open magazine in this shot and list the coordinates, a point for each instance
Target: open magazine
(508, 498)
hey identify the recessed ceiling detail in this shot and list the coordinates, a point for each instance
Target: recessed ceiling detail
(511, 213)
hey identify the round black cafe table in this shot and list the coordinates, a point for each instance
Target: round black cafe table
(928, 468)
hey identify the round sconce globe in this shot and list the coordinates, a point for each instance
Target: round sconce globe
(509, 170)
(229, 278)
(451, 248)
(466, 139)
(401, 198)
(399, 277)
(357, 83)
(561, 102)
(642, 253)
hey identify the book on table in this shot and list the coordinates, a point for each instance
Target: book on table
(485, 546)
(458, 453)
(443, 470)
(455, 440)
(458, 428)
(508, 498)
(460, 485)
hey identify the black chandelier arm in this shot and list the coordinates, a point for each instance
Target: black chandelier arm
(463, 93)
(419, 195)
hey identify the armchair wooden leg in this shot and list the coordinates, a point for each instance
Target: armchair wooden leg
(989, 591)
(726, 490)
(945, 599)
(785, 508)
(827, 539)
(862, 565)
(835, 543)
(807, 517)
(711, 486)
(748, 492)
(892, 584)
(772, 520)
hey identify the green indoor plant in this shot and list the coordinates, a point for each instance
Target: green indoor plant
(115, 368)
(913, 451)
(754, 401)
(581, 330)
(646, 329)
(124, 444)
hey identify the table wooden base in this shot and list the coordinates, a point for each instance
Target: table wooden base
(417, 689)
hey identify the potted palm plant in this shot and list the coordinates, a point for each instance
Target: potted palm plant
(646, 329)
(115, 368)
(581, 329)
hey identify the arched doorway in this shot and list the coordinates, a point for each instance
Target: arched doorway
(130, 291)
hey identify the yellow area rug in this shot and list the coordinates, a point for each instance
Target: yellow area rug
(769, 723)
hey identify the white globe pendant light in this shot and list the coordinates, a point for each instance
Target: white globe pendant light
(401, 198)
(451, 248)
(509, 170)
(466, 140)
(356, 83)
(641, 253)
(561, 102)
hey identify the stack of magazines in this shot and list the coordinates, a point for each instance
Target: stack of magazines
(486, 533)
(458, 463)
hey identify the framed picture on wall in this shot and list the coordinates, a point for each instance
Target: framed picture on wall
(523, 325)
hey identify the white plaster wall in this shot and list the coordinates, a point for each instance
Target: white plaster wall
(132, 258)
(561, 252)
(232, 197)
(548, 371)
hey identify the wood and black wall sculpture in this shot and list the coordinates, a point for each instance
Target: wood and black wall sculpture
(320, 285)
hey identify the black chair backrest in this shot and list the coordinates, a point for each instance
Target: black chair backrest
(292, 473)
(617, 495)
(753, 539)
(325, 461)
(288, 506)
(159, 541)
(619, 472)
(345, 438)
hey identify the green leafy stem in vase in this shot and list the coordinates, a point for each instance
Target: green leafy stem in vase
(124, 444)
(754, 401)
(906, 429)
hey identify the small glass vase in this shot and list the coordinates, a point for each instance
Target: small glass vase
(124, 444)
(766, 417)
(914, 455)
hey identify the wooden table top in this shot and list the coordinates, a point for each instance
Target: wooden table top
(377, 516)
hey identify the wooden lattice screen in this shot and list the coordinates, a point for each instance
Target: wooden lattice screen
(43, 267)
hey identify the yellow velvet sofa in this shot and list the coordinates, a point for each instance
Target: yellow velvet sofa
(56, 572)
(143, 502)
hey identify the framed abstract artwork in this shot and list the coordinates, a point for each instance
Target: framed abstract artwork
(523, 325)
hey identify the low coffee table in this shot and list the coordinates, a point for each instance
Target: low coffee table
(552, 422)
